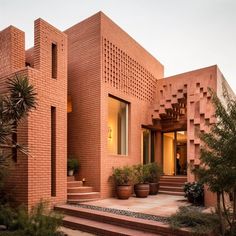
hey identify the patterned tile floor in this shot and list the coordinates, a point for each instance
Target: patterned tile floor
(160, 205)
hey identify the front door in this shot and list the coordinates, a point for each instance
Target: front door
(175, 153)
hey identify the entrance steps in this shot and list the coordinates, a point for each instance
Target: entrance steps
(77, 192)
(172, 185)
(110, 224)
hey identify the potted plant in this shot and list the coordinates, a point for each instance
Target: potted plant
(194, 192)
(154, 173)
(72, 166)
(123, 177)
(141, 188)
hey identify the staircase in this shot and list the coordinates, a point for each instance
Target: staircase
(77, 192)
(172, 185)
(110, 224)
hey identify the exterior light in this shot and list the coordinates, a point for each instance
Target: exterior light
(109, 133)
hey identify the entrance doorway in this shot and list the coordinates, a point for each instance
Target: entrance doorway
(175, 153)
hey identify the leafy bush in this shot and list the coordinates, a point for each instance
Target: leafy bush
(39, 222)
(194, 192)
(141, 173)
(73, 164)
(122, 175)
(195, 219)
(154, 172)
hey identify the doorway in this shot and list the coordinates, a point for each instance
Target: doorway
(175, 153)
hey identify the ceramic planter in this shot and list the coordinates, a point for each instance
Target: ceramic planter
(141, 190)
(123, 191)
(154, 188)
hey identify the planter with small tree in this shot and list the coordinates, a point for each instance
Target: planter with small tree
(154, 173)
(72, 166)
(123, 177)
(141, 188)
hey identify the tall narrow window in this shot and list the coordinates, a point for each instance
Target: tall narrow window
(117, 126)
(53, 151)
(54, 61)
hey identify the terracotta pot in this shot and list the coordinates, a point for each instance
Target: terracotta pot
(123, 191)
(141, 190)
(154, 188)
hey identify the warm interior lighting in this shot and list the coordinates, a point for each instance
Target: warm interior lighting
(69, 104)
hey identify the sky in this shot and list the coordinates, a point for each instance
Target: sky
(183, 35)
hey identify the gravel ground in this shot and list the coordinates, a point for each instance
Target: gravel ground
(125, 213)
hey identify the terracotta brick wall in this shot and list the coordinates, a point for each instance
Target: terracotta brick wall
(84, 87)
(12, 50)
(89, 88)
(31, 177)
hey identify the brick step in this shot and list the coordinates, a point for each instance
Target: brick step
(110, 220)
(70, 178)
(172, 179)
(83, 189)
(100, 228)
(78, 201)
(71, 184)
(83, 196)
(171, 188)
(174, 184)
(171, 193)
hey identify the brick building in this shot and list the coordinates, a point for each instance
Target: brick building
(104, 99)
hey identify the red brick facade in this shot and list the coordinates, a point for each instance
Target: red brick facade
(102, 61)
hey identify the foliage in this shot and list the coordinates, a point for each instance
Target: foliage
(218, 158)
(154, 172)
(122, 175)
(15, 105)
(195, 219)
(39, 222)
(141, 173)
(194, 192)
(72, 164)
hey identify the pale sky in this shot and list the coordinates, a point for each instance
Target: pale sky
(182, 34)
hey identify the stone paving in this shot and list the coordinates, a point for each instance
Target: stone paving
(159, 205)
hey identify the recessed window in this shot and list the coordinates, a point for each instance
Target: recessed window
(117, 126)
(54, 61)
(53, 151)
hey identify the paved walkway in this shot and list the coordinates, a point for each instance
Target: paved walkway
(71, 232)
(160, 205)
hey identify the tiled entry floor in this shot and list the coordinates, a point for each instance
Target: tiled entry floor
(160, 205)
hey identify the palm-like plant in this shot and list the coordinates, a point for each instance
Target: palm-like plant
(14, 105)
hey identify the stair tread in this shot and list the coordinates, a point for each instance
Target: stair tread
(89, 193)
(82, 200)
(171, 192)
(95, 225)
(79, 187)
(171, 187)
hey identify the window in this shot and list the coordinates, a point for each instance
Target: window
(53, 151)
(117, 126)
(54, 61)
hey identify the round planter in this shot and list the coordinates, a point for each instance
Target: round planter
(70, 172)
(123, 191)
(154, 188)
(141, 190)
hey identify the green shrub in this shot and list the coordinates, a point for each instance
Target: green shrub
(194, 219)
(154, 172)
(39, 222)
(72, 164)
(194, 192)
(122, 175)
(141, 173)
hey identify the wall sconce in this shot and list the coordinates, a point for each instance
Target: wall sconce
(109, 133)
